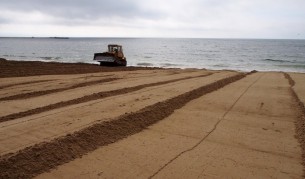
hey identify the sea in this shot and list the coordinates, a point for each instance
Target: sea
(215, 54)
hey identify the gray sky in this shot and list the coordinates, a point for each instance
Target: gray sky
(154, 18)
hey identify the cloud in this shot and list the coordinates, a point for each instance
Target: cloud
(79, 9)
(4, 20)
(170, 18)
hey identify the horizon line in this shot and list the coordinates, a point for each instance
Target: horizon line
(239, 38)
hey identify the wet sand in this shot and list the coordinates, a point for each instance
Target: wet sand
(87, 121)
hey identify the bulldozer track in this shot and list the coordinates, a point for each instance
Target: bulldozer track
(47, 155)
(45, 92)
(24, 83)
(90, 97)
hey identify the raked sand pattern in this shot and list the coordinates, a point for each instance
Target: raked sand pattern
(152, 123)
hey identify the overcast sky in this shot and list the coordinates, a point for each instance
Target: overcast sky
(154, 18)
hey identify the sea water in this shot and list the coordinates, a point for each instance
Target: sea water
(232, 54)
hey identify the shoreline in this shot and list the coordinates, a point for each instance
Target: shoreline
(19, 68)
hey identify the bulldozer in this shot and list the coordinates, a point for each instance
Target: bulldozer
(113, 57)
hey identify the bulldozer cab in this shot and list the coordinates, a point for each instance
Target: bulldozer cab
(116, 49)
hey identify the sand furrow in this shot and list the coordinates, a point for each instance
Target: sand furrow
(298, 85)
(23, 132)
(56, 90)
(23, 83)
(43, 157)
(130, 79)
(87, 98)
(64, 81)
(248, 143)
(300, 122)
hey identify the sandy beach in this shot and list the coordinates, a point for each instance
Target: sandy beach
(60, 120)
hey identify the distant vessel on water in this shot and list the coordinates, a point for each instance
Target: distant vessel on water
(59, 37)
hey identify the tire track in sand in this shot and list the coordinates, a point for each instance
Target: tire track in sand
(45, 156)
(91, 97)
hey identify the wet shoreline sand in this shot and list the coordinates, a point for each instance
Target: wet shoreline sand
(12, 68)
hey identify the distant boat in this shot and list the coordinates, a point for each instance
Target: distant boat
(59, 37)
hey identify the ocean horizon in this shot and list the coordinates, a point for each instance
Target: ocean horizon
(202, 53)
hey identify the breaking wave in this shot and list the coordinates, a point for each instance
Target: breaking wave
(50, 58)
(145, 64)
(280, 61)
